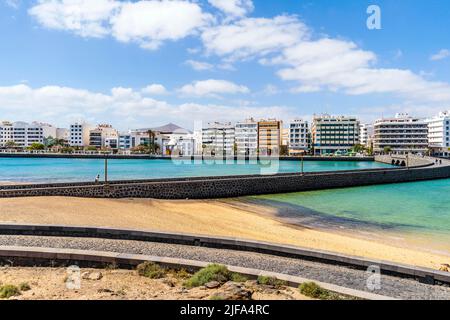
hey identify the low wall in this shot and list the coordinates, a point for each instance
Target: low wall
(50, 257)
(235, 186)
(425, 275)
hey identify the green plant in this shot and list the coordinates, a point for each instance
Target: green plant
(150, 270)
(216, 297)
(24, 286)
(8, 291)
(237, 277)
(271, 281)
(182, 274)
(213, 272)
(313, 290)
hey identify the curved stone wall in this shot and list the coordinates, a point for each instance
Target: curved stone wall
(235, 186)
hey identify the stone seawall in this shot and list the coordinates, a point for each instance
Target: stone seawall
(223, 187)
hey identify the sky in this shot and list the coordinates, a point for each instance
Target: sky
(146, 63)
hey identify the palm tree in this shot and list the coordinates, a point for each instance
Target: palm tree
(10, 144)
(151, 141)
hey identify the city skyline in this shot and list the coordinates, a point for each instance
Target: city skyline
(290, 60)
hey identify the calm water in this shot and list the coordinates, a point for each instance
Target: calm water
(415, 212)
(62, 170)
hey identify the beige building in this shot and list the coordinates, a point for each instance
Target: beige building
(270, 137)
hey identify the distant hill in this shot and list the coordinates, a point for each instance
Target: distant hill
(168, 128)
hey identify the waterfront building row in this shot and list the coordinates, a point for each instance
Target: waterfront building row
(325, 135)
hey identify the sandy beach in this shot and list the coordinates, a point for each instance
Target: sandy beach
(208, 217)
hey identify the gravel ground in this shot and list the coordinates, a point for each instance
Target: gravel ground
(346, 277)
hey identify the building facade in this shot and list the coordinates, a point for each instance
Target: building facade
(298, 137)
(366, 132)
(218, 139)
(246, 137)
(334, 134)
(79, 134)
(439, 134)
(104, 136)
(23, 134)
(269, 137)
(401, 135)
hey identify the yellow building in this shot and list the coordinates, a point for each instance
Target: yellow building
(269, 137)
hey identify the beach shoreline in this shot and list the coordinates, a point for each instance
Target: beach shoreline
(222, 218)
(295, 217)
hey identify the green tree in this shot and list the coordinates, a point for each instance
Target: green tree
(10, 144)
(387, 149)
(358, 148)
(36, 146)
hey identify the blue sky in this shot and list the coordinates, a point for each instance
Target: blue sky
(144, 63)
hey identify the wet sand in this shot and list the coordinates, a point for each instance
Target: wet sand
(228, 218)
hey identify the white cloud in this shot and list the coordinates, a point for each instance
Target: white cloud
(442, 54)
(154, 89)
(199, 65)
(85, 18)
(253, 36)
(212, 88)
(148, 23)
(123, 107)
(235, 8)
(340, 65)
(151, 22)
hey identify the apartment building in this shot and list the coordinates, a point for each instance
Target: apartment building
(366, 132)
(24, 134)
(218, 138)
(269, 137)
(401, 134)
(79, 134)
(104, 136)
(439, 134)
(246, 137)
(334, 134)
(298, 137)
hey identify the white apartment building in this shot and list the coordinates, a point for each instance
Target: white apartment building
(334, 134)
(79, 134)
(218, 139)
(246, 138)
(401, 134)
(366, 132)
(24, 134)
(298, 137)
(439, 134)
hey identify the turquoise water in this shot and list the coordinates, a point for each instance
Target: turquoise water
(419, 210)
(41, 170)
